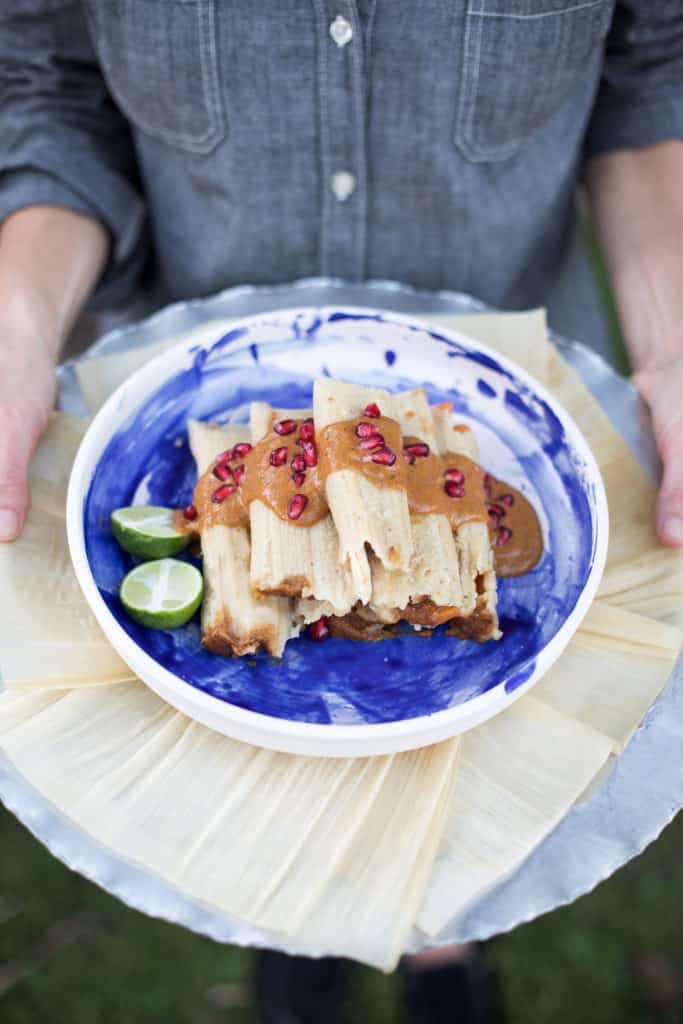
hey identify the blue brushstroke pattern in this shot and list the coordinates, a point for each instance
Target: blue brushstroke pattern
(485, 388)
(340, 681)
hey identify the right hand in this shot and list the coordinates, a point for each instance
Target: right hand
(27, 394)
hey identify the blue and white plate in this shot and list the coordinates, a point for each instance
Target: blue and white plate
(342, 698)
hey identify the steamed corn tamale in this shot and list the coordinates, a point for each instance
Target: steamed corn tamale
(233, 620)
(475, 554)
(369, 516)
(286, 559)
(433, 577)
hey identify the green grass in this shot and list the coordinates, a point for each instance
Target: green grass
(70, 953)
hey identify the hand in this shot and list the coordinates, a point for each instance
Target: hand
(27, 393)
(50, 258)
(662, 388)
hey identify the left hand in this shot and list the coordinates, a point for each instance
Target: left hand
(662, 388)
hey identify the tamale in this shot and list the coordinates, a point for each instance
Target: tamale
(291, 560)
(365, 515)
(233, 620)
(434, 572)
(475, 554)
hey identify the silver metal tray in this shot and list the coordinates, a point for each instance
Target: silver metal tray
(638, 794)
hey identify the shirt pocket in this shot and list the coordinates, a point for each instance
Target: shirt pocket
(160, 61)
(520, 63)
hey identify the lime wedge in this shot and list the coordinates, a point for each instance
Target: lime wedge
(147, 531)
(163, 594)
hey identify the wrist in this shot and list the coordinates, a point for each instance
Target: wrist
(651, 314)
(50, 258)
(28, 331)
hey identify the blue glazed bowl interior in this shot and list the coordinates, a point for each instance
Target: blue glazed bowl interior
(342, 682)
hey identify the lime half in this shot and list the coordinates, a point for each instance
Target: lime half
(163, 594)
(147, 531)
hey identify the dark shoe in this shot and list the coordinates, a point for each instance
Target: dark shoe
(464, 992)
(298, 990)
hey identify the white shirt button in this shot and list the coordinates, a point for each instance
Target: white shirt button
(343, 185)
(341, 31)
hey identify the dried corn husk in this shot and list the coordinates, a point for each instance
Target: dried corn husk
(612, 671)
(364, 515)
(48, 635)
(233, 620)
(331, 855)
(641, 575)
(518, 774)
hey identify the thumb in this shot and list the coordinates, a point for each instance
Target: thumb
(14, 489)
(662, 388)
(23, 426)
(670, 502)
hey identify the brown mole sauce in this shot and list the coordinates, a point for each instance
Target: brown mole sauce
(427, 487)
(513, 523)
(514, 528)
(339, 447)
(272, 484)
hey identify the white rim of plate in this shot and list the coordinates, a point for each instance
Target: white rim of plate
(302, 737)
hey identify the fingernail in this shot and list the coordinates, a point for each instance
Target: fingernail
(672, 527)
(9, 524)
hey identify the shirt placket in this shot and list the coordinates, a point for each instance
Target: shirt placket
(341, 130)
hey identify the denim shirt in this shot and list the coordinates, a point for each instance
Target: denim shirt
(437, 142)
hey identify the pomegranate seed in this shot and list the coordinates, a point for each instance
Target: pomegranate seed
(222, 471)
(365, 429)
(367, 444)
(420, 451)
(319, 630)
(307, 432)
(504, 535)
(310, 453)
(241, 449)
(225, 456)
(372, 411)
(495, 511)
(278, 456)
(284, 426)
(190, 513)
(454, 476)
(454, 490)
(298, 464)
(238, 474)
(297, 505)
(221, 493)
(385, 457)
(410, 459)
(506, 499)
(298, 479)
(488, 484)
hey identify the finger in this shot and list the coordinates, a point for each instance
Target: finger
(16, 447)
(670, 502)
(14, 499)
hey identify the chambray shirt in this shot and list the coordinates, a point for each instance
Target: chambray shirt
(437, 142)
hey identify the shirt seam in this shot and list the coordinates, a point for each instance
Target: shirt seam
(536, 17)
